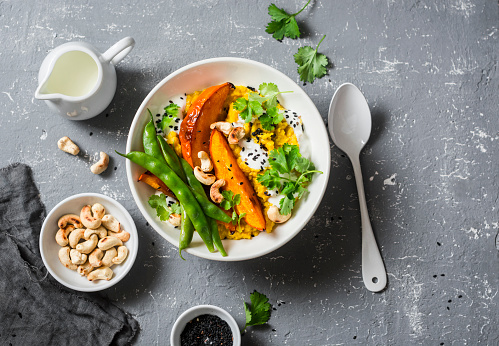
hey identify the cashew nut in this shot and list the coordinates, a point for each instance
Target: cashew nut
(98, 210)
(85, 268)
(103, 273)
(101, 165)
(204, 178)
(108, 242)
(215, 194)
(107, 260)
(75, 236)
(206, 164)
(100, 231)
(174, 219)
(69, 218)
(111, 223)
(235, 135)
(95, 258)
(122, 253)
(88, 219)
(275, 216)
(77, 257)
(67, 145)
(223, 126)
(65, 259)
(89, 245)
(61, 237)
(124, 236)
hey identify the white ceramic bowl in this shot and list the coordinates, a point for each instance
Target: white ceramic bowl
(203, 74)
(50, 249)
(195, 311)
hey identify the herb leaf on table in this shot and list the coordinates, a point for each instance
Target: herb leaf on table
(258, 312)
(311, 64)
(283, 23)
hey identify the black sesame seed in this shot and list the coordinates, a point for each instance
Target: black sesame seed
(170, 101)
(250, 154)
(176, 128)
(181, 98)
(115, 168)
(229, 169)
(230, 165)
(158, 115)
(171, 126)
(177, 120)
(242, 149)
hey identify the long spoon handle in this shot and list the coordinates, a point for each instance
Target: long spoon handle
(373, 269)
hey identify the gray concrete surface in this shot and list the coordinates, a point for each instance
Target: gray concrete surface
(429, 72)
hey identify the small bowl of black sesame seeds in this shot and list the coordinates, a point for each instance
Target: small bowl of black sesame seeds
(205, 325)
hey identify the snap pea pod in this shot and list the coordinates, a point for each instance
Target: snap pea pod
(151, 146)
(180, 189)
(216, 237)
(186, 232)
(171, 157)
(197, 190)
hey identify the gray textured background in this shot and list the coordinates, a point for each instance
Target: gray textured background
(429, 72)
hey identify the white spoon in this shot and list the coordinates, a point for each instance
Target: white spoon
(350, 128)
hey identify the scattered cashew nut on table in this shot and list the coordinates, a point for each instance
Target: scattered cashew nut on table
(215, 194)
(67, 145)
(275, 216)
(204, 178)
(101, 165)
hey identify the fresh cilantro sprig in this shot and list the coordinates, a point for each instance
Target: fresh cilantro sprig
(171, 112)
(283, 23)
(288, 173)
(249, 107)
(311, 65)
(163, 211)
(258, 312)
(230, 201)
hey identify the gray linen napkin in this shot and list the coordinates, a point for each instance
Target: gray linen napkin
(34, 308)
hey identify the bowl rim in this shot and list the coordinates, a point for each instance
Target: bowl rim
(198, 310)
(132, 252)
(128, 164)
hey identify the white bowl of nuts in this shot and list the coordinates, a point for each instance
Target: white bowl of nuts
(88, 242)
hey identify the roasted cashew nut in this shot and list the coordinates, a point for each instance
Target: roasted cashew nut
(223, 126)
(174, 219)
(108, 242)
(215, 194)
(89, 245)
(98, 210)
(69, 218)
(103, 273)
(206, 164)
(107, 260)
(101, 165)
(65, 259)
(77, 257)
(88, 219)
(61, 237)
(75, 236)
(100, 231)
(95, 258)
(122, 253)
(275, 216)
(204, 178)
(236, 135)
(124, 236)
(85, 268)
(111, 223)
(67, 145)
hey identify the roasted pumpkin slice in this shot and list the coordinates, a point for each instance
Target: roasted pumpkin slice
(226, 167)
(156, 183)
(195, 128)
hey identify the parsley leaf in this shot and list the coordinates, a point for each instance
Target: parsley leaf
(248, 108)
(269, 91)
(283, 24)
(171, 112)
(272, 117)
(311, 65)
(259, 311)
(163, 211)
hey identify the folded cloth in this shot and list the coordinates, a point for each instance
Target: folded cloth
(34, 308)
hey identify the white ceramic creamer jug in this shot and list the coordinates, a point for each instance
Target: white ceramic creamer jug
(77, 81)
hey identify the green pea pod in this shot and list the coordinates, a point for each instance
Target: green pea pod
(171, 157)
(151, 146)
(216, 237)
(180, 189)
(186, 232)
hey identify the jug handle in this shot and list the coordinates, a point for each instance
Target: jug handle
(119, 50)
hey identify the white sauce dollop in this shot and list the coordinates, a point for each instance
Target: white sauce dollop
(253, 155)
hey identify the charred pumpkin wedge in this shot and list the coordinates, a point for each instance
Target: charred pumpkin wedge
(226, 167)
(195, 128)
(156, 183)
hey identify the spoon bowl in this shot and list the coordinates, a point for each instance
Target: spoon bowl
(350, 128)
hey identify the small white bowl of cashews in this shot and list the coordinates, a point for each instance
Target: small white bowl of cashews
(88, 242)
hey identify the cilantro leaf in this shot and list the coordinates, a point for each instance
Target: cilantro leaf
(171, 112)
(269, 91)
(163, 211)
(283, 24)
(248, 108)
(278, 161)
(270, 179)
(286, 204)
(230, 200)
(311, 65)
(258, 312)
(272, 117)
